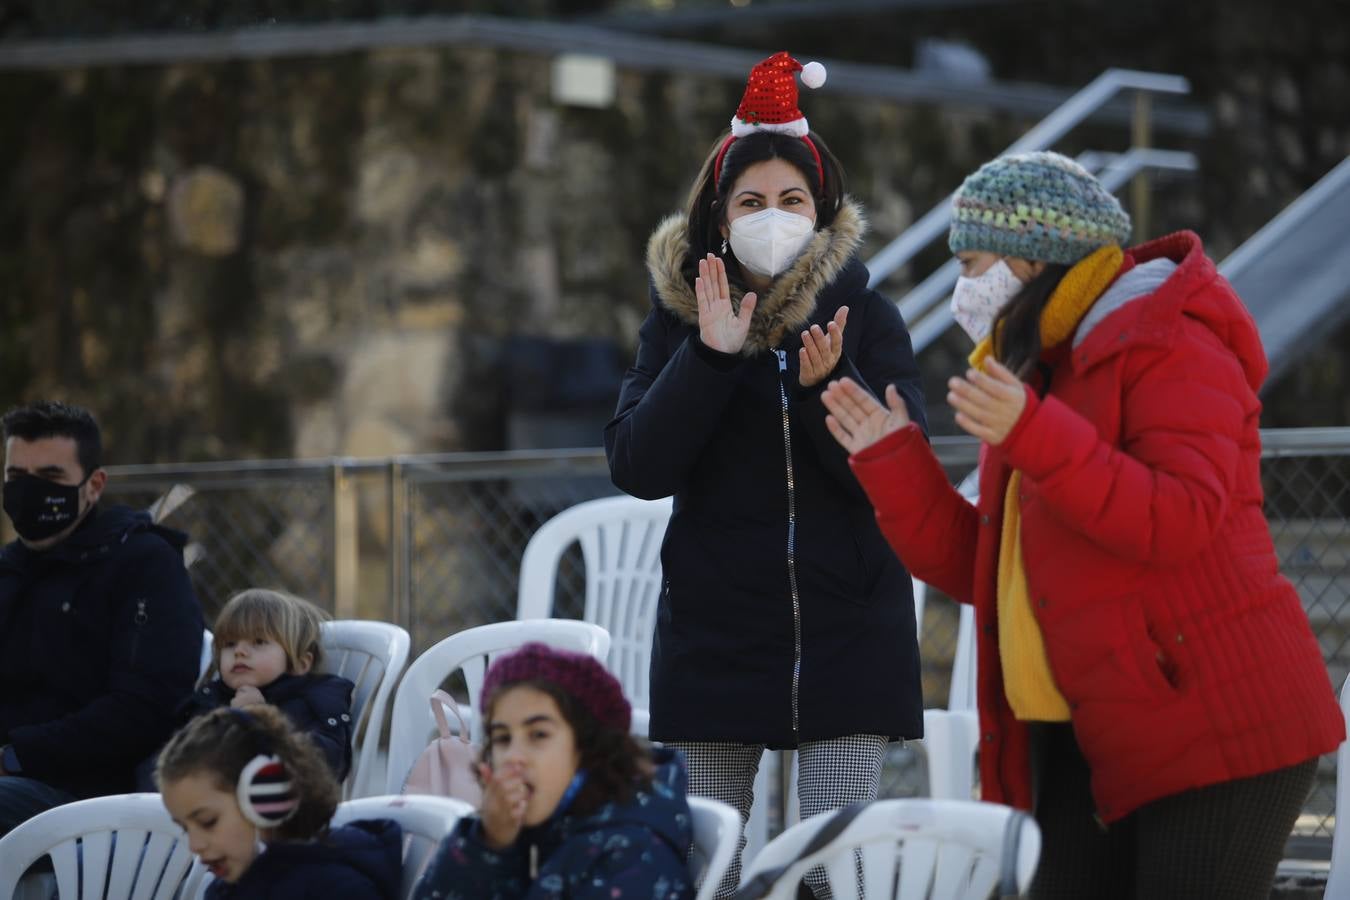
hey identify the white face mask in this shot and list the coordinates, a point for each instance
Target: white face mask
(976, 302)
(768, 241)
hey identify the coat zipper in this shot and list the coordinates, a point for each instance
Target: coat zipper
(791, 544)
(140, 618)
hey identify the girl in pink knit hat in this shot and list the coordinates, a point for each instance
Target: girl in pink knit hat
(573, 807)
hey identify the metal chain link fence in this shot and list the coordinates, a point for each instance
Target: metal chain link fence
(453, 530)
(248, 524)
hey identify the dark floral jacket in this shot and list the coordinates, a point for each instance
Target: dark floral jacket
(630, 851)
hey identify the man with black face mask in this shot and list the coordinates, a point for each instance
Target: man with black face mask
(100, 631)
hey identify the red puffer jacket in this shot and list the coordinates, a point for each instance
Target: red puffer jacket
(1185, 656)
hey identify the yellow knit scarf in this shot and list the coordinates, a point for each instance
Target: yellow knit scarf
(1028, 682)
(1073, 297)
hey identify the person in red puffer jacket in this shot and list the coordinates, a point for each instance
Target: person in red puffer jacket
(1148, 683)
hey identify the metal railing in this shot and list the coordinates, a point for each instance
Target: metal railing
(625, 49)
(1078, 108)
(435, 542)
(1294, 274)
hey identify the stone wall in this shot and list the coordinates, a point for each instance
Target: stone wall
(343, 255)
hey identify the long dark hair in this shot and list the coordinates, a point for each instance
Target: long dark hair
(1017, 327)
(706, 208)
(615, 763)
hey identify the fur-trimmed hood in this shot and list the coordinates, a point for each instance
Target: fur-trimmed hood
(789, 304)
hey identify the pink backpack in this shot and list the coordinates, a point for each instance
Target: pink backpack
(447, 768)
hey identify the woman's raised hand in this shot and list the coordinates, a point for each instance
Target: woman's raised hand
(989, 403)
(856, 419)
(821, 349)
(504, 799)
(719, 327)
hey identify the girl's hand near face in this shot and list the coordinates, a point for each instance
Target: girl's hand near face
(989, 403)
(504, 800)
(719, 326)
(247, 695)
(821, 349)
(856, 419)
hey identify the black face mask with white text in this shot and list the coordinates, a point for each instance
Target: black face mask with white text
(40, 508)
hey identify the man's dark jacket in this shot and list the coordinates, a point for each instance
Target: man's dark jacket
(100, 643)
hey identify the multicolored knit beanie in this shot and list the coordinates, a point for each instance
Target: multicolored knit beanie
(1038, 206)
(580, 675)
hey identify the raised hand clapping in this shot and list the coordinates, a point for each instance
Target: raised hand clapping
(856, 419)
(821, 349)
(719, 326)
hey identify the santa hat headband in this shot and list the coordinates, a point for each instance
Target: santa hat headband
(770, 104)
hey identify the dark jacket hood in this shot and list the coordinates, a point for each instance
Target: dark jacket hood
(104, 527)
(789, 304)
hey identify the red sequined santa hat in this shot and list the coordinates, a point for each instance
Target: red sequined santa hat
(770, 104)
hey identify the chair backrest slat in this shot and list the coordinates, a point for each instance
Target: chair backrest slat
(371, 655)
(717, 831)
(620, 540)
(123, 847)
(943, 848)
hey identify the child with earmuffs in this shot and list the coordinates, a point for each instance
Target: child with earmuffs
(255, 797)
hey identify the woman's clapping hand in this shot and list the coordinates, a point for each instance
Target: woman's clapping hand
(719, 326)
(857, 419)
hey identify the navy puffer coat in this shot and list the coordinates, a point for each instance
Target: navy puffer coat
(359, 861)
(784, 616)
(318, 705)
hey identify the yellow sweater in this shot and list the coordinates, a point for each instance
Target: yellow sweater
(1027, 679)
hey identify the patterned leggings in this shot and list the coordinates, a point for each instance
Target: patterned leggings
(1222, 841)
(830, 774)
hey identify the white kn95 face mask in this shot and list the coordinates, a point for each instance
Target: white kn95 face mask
(768, 241)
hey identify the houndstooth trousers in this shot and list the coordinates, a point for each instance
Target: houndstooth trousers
(830, 774)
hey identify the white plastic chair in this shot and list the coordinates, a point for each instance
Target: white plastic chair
(371, 655)
(1338, 880)
(620, 540)
(116, 847)
(717, 830)
(952, 735)
(208, 655)
(911, 849)
(425, 821)
(469, 651)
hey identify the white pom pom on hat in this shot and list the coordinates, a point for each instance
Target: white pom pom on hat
(813, 74)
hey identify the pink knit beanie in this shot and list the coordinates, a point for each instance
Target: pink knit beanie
(582, 676)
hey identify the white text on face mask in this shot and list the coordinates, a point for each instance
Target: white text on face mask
(977, 301)
(768, 241)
